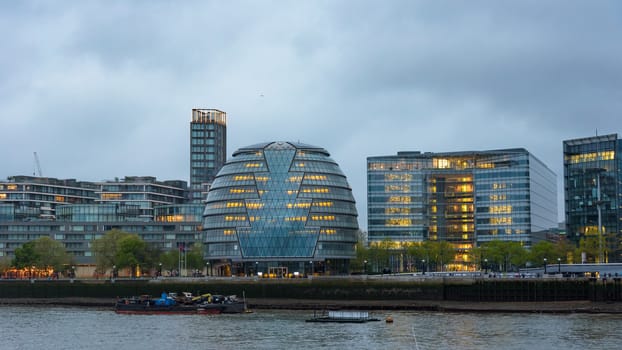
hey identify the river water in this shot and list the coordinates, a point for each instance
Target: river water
(26, 327)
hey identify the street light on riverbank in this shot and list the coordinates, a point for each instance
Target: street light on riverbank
(545, 266)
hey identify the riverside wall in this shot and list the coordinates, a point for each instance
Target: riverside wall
(334, 288)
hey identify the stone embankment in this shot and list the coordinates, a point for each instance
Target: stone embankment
(413, 305)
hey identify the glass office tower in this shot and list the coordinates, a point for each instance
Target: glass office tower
(593, 184)
(208, 150)
(464, 198)
(280, 208)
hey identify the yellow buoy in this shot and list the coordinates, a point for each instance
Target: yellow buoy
(389, 319)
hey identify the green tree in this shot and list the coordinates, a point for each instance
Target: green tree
(505, 255)
(106, 249)
(26, 256)
(542, 250)
(132, 252)
(51, 254)
(194, 257)
(169, 259)
(590, 246)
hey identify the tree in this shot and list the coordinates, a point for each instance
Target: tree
(51, 254)
(194, 257)
(505, 255)
(542, 250)
(132, 252)
(106, 248)
(25, 256)
(590, 246)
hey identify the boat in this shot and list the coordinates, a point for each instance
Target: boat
(205, 304)
(343, 317)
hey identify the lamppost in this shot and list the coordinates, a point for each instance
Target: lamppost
(545, 266)
(365, 267)
(207, 268)
(311, 267)
(559, 265)
(485, 265)
(159, 269)
(114, 271)
(423, 266)
(73, 272)
(256, 267)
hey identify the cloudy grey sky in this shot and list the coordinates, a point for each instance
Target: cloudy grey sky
(104, 89)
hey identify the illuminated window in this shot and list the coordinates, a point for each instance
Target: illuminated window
(398, 222)
(243, 177)
(112, 196)
(296, 218)
(399, 199)
(315, 190)
(241, 190)
(253, 165)
(2, 195)
(323, 204)
(323, 217)
(228, 232)
(261, 178)
(295, 179)
(11, 187)
(59, 198)
(504, 220)
(501, 209)
(316, 177)
(498, 197)
(328, 231)
(440, 163)
(235, 218)
(235, 204)
(391, 210)
(254, 205)
(298, 205)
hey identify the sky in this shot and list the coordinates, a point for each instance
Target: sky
(105, 89)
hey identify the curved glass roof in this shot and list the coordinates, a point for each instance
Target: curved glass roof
(280, 200)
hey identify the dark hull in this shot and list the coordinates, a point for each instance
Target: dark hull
(130, 309)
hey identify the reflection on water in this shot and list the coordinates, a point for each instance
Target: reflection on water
(83, 328)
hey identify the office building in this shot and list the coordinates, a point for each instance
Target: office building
(464, 198)
(593, 190)
(280, 208)
(208, 150)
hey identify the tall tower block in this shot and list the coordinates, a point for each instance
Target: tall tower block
(208, 150)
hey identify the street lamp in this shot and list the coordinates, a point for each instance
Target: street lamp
(159, 269)
(545, 266)
(423, 266)
(559, 265)
(311, 267)
(114, 271)
(207, 268)
(365, 266)
(73, 272)
(256, 267)
(485, 265)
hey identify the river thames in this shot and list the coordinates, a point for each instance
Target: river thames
(28, 327)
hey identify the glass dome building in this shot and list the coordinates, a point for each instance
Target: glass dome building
(280, 209)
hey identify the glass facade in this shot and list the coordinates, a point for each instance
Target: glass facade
(76, 213)
(280, 205)
(208, 150)
(465, 198)
(593, 179)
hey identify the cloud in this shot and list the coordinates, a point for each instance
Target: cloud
(105, 89)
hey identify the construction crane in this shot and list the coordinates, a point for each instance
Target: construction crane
(37, 165)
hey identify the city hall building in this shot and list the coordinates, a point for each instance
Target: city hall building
(282, 209)
(464, 198)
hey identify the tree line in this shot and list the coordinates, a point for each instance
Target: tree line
(493, 256)
(114, 251)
